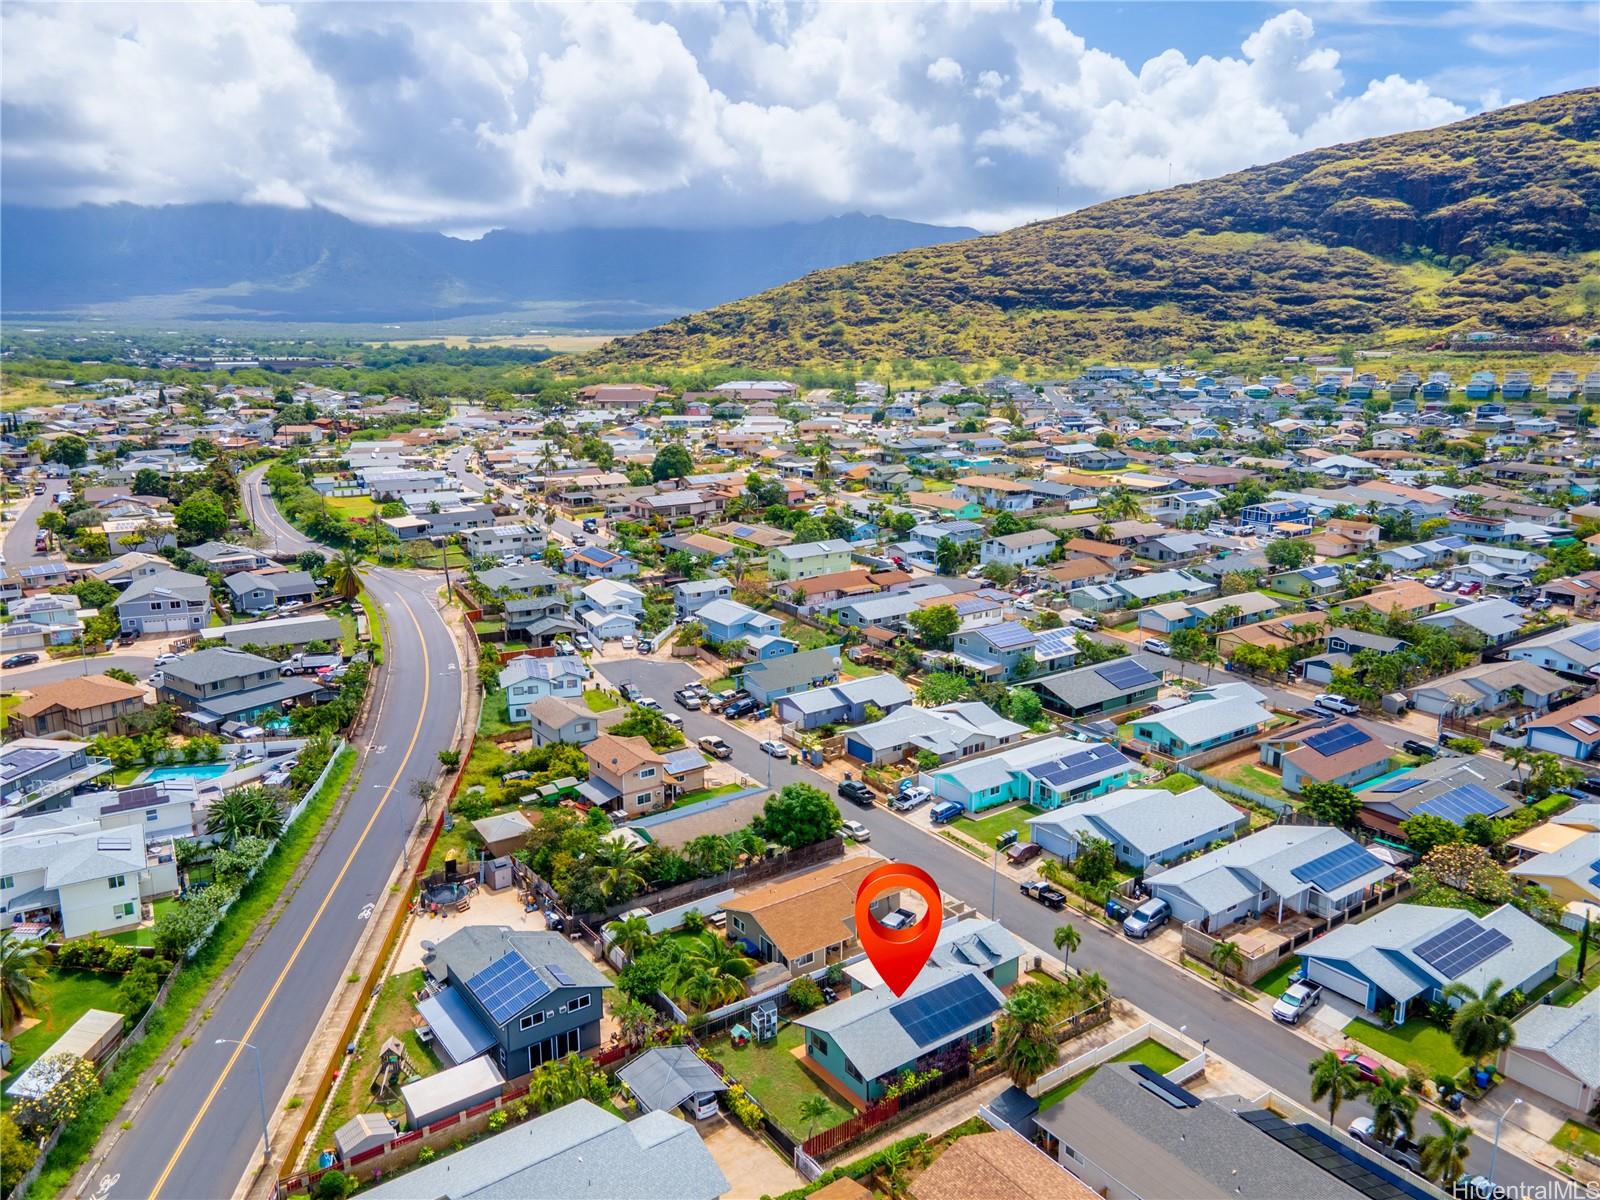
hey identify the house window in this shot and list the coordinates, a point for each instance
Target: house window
(850, 1070)
(647, 773)
(150, 814)
(577, 1003)
(737, 922)
(532, 1019)
(7, 882)
(121, 911)
(117, 881)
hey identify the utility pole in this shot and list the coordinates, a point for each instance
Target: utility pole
(261, 1094)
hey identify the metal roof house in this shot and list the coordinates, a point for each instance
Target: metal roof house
(1557, 1053)
(949, 731)
(1101, 688)
(1283, 868)
(669, 1077)
(1143, 825)
(1217, 716)
(577, 1152)
(1047, 773)
(1414, 952)
(843, 703)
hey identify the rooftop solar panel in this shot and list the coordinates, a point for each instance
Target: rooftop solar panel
(1588, 639)
(507, 986)
(559, 974)
(1462, 802)
(1461, 947)
(1328, 742)
(938, 1015)
(1053, 643)
(1403, 784)
(1372, 1179)
(1125, 673)
(1007, 635)
(1338, 867)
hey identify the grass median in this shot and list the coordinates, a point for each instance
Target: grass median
(194, 981)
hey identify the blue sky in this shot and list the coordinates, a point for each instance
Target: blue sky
(463, 117)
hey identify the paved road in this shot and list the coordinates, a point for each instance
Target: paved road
(21, 532)
(141, 663)
(200, 1131)
(1275, 1055)
(459, 465)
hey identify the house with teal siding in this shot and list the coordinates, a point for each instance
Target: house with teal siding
(866, 1041)
(1046, 773)
(1227, 713)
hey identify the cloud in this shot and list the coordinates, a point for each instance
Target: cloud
(467, 116)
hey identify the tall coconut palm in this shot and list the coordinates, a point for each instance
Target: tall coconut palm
(21, 963)
(344, 573)
(1067, 939)
(1444, 1154)
(1026, 1033)
(1478, 1031)
(1393, 1107)
(631, 935)
(1333, 1080)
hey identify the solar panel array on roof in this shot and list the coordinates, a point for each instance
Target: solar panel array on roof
(1461, 947)
(1172, 1093)
(507, 986)
(1588, 639)
(938, 1015)
(1460, 803)
(1371, 1179)
(1007, 635)
(1125, 673)
(597, 554)
(1053, 643)
(1328, 742)
(1583, 726)
(559, 974)
(1337, 867)
(1402, 784)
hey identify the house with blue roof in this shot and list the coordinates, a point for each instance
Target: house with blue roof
(1413, 953)
(1312, 870)
(994, 650)
(863, 1043)
(729, 620)
(843, 703)
(527, 679)
(1046, 773)
(596, 562)
(1275, 512)
(1145, 826)
(769, 679)
(525, 997)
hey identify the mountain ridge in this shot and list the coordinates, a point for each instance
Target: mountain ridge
(1491, 220)
(259, 262)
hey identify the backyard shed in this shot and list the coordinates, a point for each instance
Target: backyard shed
(667, 1076)
(91, 1037)
(451, 1091)
(503, 834)
(361, 1132)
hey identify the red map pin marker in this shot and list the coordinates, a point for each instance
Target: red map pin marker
(898, 954)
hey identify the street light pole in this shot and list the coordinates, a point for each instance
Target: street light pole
(261, 1094)
(1494, 1154)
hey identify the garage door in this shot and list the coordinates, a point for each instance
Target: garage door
(1337, 981)
(166, 624)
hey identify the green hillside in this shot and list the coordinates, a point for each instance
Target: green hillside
(1491, 222)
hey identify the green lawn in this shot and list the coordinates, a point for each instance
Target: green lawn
(599, 701)
(1149, 1052)
(776, 1079)
(1175, 783)
(67, 995)
(347, 628)
(7, 703)
(144, 936)
(1576, 1138)
(854, 670)
(988, 828)
(1276, 981)
(1257, 779)
(720, 685)
(808, 638)
(1416, 1041)
(350, 507)
(494, 718)
(706, 794)
(123, 776)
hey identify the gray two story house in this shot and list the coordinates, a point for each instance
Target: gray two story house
(524, 996)
(258, 591)
(166, 602)
(222, 684)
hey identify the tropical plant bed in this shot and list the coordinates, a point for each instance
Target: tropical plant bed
(1417, 1041)
(1149, 1052)
(773, 1075)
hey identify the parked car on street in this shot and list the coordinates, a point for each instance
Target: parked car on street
(686, 700)
(1366, 1066)
(856, 792)
(629, 642)
(910, 798)
(775, 748)
(1157, 646)
(715, 746)
(19, 660)
(1413, 746)
(1433, 581)
(1045, 893)
(1401, 1150)
(1147, 918)
(631, 692)
(900, 918)
(1023, 853)
(946, 811)
(741, 708)
(1297, 1000)
(1334, 703)
(856, 831)
(1088, 623)
(163, 659)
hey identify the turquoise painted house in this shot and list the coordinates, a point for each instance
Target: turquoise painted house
(1046, 773)
(865, 1041)
(1218, 716)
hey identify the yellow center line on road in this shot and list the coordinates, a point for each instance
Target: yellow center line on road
(316, 918)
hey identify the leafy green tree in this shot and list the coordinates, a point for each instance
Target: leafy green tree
(148, 482)
(1289, 554)
(17, 1154)
(651, 725)
(75, 1084)
(1024, 706)
(942, 687)
(947, 556)
(1332, 803)
(1000, 574)
(798, 815)
(1006, 523)
(202, 516)
(1096, 860)
(671, 462)
(69, 450)
(1424, 831)
(935, 625)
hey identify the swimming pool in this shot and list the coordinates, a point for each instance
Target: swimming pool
(190, 771)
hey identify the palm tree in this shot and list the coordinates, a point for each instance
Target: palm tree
(1026, 1033)
(1225, 957)
(1444, 1154)
(1092, 986)
(1517, 757)
(1478, 1030)
(21, 962)
(344, 573)
(631, 935)
(250, 812)
(1067, 939)
(637, 1023)
(1334, 1080)
(812, 1110)
(617, 875)
(705, 991)
(1393, 1107)
(723, 962)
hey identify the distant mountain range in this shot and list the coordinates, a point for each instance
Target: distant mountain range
(1492, 222)
(258, 263)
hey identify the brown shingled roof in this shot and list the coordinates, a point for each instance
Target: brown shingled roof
(87, 691)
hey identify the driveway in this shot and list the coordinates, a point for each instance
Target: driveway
(753, 1170)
